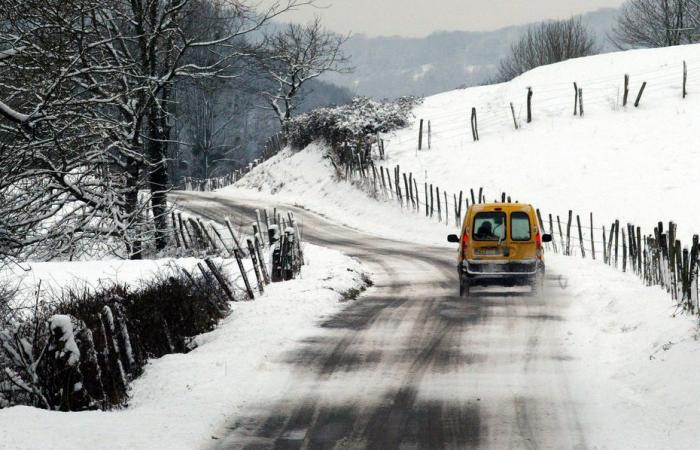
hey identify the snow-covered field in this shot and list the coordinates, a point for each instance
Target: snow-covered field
(182, 399)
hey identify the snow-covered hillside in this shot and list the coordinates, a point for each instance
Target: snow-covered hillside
(638, 165)
(635, 164)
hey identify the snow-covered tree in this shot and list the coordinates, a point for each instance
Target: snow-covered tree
(295, 55)
(86, 109)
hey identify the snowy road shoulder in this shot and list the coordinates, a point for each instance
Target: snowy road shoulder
(635, 358)
(182, 399)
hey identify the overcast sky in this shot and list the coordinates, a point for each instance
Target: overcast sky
(422, 17)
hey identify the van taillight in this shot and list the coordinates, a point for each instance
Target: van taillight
(538, 240)
(465, 239)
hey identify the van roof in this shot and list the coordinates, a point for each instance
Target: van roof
(507, 207)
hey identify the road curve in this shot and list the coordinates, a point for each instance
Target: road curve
(410, 365)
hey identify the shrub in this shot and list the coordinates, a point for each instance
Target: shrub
(362, 118)
(81, 350)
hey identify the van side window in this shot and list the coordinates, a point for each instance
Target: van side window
(489, 226)
(520, 226)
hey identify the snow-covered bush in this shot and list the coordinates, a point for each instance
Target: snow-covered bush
(362, 118)
(80, 350)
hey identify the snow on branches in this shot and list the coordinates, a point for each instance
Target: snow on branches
(361, 118)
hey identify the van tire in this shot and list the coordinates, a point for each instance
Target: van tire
(463, 285)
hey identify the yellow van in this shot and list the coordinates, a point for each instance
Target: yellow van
(500, 244)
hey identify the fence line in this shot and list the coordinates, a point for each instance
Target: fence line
(658, 258)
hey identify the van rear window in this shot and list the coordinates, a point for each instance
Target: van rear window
(489, 226)
(520, 226)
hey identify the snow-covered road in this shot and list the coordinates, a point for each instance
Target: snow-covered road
(411, 365)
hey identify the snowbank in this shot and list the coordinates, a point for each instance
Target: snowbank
(181, 399)
(634, 363)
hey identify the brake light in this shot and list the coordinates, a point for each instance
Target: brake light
(465, 239)
(538, 240)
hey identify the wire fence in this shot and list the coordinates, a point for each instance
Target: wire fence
(495, 115)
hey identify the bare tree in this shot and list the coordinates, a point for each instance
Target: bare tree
(656, 23)
(293, 56)
(86, 107)
(547, 43)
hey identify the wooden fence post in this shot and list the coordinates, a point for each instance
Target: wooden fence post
(529, 104)
(182, 232)
(259, 222)
(397, 180)
(241, 269)
(430, 136)
(575, 98)
(592, 239)
(568, 233)
(473, 197)
(254, 258)
(624, 251)
(639, 250)
(175, 232)
(221, 239)
(220, 278)
(408, 195)
(458, 209)
(561, 237)
(432, 204)
(617, 233)
(415, 187)
(515, 120)
(420, 136)
(481, 196)
(605, 253)
(439, 204)
(427, 210)
(233, 236)
(580, 102)
(540, 222)
(639, 96)
(475, 126)
(551, 233)
(626, 93)
(267, 226)
(685, 79)
(610, 243)
(447, 209)
(388, 182)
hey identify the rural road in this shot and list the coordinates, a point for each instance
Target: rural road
(410, 365)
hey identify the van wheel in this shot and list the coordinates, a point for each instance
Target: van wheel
(538, 283)
(463, 285)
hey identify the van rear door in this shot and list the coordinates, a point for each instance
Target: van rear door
(490, 235)
(522, 236)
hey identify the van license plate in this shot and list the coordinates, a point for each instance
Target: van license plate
(489, 252)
